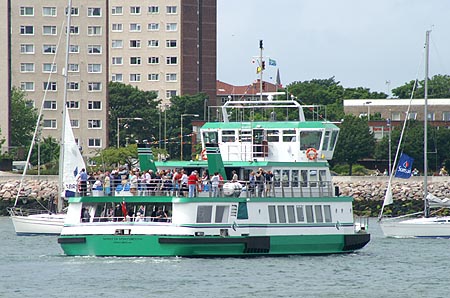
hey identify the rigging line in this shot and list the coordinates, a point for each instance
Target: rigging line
(38, 121)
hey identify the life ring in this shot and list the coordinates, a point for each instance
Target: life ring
(203, 154)
(311, 153)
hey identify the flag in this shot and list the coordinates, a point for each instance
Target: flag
(258, 69)
(272, 62)
(404, 166)
(124, 209)
(278, 80)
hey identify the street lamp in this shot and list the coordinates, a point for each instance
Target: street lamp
(118, 126)
(368, 110)
(181, 131)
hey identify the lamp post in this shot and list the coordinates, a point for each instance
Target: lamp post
(118, 127)
(181, 131)
(368, 110)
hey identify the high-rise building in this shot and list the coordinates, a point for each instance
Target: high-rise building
(166, 46)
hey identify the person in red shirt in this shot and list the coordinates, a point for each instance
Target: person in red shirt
(192, 183)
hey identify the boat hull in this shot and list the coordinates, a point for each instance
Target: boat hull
(209, 246)
(433, 227)
(42, 224)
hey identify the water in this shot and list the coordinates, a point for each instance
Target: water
(36, 267)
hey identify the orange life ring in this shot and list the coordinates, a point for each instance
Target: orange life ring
(203, 154)
(311, 153)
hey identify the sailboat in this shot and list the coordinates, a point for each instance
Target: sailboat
(32, 222)
(426, 225)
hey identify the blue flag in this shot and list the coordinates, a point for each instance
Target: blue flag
(272, 62)
(404, 167)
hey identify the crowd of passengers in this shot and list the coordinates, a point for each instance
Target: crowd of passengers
(175, 182)
(121, 213)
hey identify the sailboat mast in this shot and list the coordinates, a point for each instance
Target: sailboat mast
(66, 78)
(425, 127)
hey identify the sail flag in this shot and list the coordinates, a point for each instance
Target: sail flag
(404, 167)
(272, 62)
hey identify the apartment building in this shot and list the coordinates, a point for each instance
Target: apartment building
(166, 46)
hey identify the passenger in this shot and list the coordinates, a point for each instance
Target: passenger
(107, 184)
(161, 216)
(215, 180)
(268, 178)
(183, 183)
(83, 179)
(192, 183)
(85, 215)
(259, 177)
(133, 183)
(234, 177)
(251, 184)
(110, 213)
(138, 217)
(205, 181)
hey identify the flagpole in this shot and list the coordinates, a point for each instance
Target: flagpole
(262, 69)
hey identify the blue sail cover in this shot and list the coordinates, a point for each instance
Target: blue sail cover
(404, 166)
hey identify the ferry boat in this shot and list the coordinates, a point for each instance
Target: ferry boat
(299, 211)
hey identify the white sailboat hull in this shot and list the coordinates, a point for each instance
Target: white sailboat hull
(430, 227)
(38, 224)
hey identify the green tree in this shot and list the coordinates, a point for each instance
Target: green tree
(126, 101)
(112, 157)
(23, 119)
(355, 141)
(438, 87)
(49, 152)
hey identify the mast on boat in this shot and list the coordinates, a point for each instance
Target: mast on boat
(66, 78)
(426, 210)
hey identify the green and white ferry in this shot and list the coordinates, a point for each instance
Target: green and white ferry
(301, 212)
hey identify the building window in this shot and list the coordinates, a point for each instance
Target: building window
(153, 43)
(135, 10)
(153, 9)
(74, 30)
(171, 9)
(27, 86)
(117, 44)
(74, 11)
(431, 116)
(396, 116)
(26, 30)
(73, 86)
(49, 49)
(94, 142)
(171, 77)
(94, 86)
(412, 116)
(135, 43)
(171, 43)
(135, 77)
(117, 77)
(49, 67)
(26, 67)
(27, 48)
(73, 104)
(117, 61)
(117, 10)
(26, 11)
(94, 124)
(117, 27)
(171, 60)
(445, 116)
(135, 60)
(49, 11)
(49, 123)
(135, 27)
(94, 12)
(49, 30)
(94, 68)
(171, 93)
(74, 123)
(50, 86)
(94, 105)
(94, 49)
(94, 30)
(50, 105)
(153, 27)
(74, 48)
(153, 77)
(171, 27)
(153, 60)
(73, 67)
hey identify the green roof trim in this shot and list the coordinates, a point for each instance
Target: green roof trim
(241, 164)
(269, 125)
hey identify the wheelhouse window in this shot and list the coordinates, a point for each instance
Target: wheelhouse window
(210, 137)
(228, 136)
(310, 139)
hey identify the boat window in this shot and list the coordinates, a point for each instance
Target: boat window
(300, 213)
(309, 213)
(289, 135)
(326, 140)
(272, 214)
(204, 214)
(327, 213)
(210, 137)
(304, 176)
(310, 139)
(312, 178)
(294, 181)
(323, 177)
(276, 178)
(281, 214)
(285, 178)
(333, 139)
(273, 136)
(228, 136)
(242, 211)
(318, 212)
(291, 213)
(245, 135)
(222, 214)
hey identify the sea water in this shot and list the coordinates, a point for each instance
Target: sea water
(34, 266)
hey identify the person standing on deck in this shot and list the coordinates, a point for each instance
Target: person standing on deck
(259, 177)
(192, 183)
(83, 178)
(235, 177)
(215, 180)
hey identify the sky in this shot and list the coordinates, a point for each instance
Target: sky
(375, 44)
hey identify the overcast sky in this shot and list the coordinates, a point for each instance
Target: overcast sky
(362, 43)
